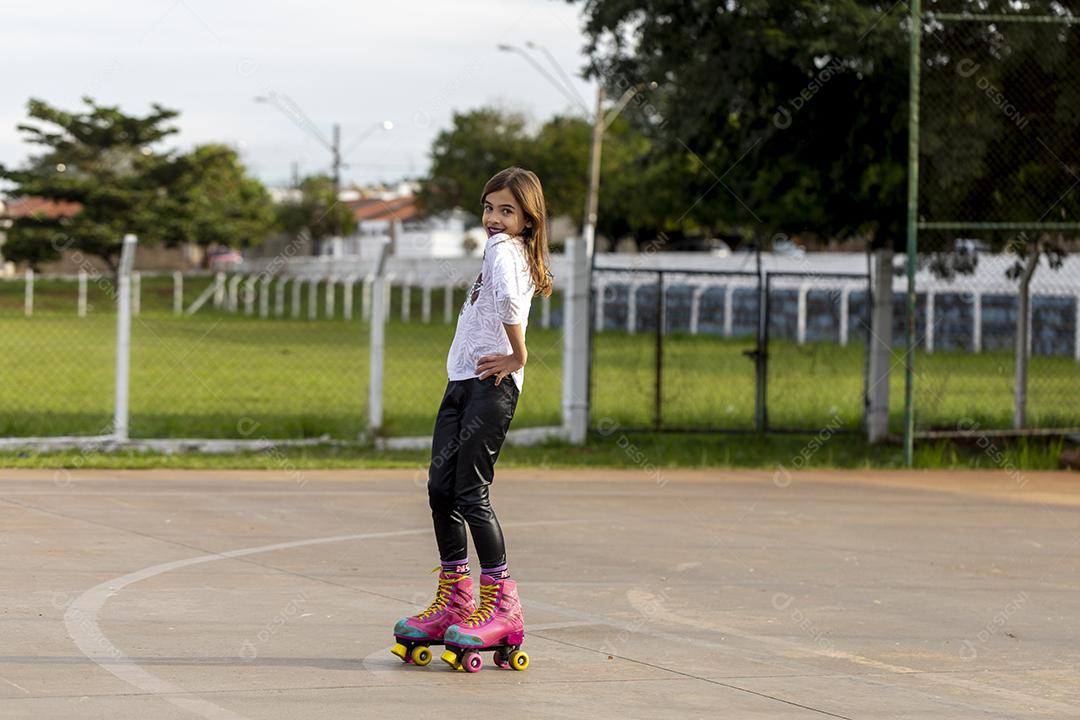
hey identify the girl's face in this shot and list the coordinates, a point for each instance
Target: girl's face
(503, 214)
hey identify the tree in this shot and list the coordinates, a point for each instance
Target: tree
(780, 115)
(483, 141)
(103, 160)
(217, 202)
(478, 144)
(316, 213)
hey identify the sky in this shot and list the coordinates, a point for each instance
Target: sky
(412, 62)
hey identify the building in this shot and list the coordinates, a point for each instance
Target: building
(148, 258)
(397, 220)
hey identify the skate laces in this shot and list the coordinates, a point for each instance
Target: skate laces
(486, 608)
(442, 596)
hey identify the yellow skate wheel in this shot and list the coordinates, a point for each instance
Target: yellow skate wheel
(450, 658)
(519, 659)
(401, 651)
(421, 655)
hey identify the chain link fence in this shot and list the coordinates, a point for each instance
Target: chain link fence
(997, 311)
(57, 355)
(681, 350)
(245, 356)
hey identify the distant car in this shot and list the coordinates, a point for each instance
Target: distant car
(224, 258)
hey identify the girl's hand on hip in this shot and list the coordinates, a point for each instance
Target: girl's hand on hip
(498, 365)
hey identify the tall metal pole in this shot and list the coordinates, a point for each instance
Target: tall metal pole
(336, 150)
(588, 230)
(592, 201)
(912, 230)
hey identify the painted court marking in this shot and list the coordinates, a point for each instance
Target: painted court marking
(81, 619)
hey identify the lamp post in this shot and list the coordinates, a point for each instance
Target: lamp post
(287, 107)
(577, 386)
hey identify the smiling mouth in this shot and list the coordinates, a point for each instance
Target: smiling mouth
(493, 231)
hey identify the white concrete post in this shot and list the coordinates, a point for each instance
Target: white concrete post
(82, 293)
(845, 314)
(313, 298)
(178, 293)
(380, 296)
(347, 297)
(264, 296)
(575, 399)
(249, 294)
(448, 303)
(976, 319)
(123, 338)
(365, 297)
(545, 312)
(331, 283)
(695, 307)
(879, 361)
(729, 312)
(406, 299)
(279, 296)
(425, 303)
(800, 323)
(219, 290)
(631, 307)
(388, 288)
(234, 285)
(297, 288)
(28, 295)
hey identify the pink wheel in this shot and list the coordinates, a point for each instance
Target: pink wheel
(501, 659)
(474, 662)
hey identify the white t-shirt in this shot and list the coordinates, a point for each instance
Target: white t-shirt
(502, 293)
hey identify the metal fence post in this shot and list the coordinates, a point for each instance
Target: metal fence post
(576, 327)
(378, 306)
(879, 344)
(123, 337)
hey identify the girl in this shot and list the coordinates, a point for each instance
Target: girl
(486, 372)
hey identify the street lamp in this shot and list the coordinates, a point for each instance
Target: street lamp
(288, 107)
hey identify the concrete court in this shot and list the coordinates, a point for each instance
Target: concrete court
(155, 595)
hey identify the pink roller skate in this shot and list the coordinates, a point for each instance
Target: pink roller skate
(453, 603)
(498, 624)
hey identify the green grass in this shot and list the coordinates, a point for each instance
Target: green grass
(221, 375)
(649, 453)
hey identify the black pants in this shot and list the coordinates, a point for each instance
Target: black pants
(469, 432)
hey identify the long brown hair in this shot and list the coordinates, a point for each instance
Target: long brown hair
(526, 189)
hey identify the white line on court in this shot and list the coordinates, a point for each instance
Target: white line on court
(653, 607)
(81, 619)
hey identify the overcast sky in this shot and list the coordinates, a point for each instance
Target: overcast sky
(413, 62)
